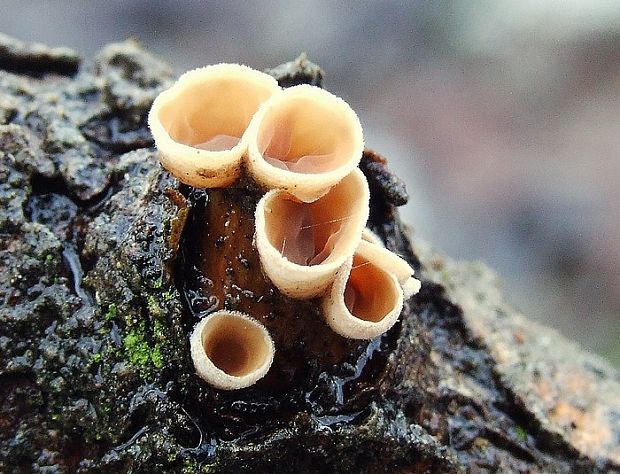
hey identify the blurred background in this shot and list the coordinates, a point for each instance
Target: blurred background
(503, 117)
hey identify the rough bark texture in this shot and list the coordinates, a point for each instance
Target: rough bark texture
(103, 275)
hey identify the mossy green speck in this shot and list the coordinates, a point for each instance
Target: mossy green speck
(111, 313)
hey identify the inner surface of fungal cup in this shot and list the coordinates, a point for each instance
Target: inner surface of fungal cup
(366, 297)
(304, 140)
(365, 292)
(199, 123)
(301, 245)
(231, 350)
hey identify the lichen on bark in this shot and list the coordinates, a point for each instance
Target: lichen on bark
(100, 288)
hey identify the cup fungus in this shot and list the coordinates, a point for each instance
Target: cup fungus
(397, 265)
(199, 123)
(304, 140)
(302, 245)
(231, 350)
(304, 144)
(366, 297)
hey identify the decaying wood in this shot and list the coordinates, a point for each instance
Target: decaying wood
(104, 262)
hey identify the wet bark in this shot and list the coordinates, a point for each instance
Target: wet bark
(106, 263)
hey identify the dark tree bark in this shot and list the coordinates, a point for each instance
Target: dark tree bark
(106, 263)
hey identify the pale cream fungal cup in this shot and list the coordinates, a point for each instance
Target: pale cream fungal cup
(304, 141)
(199, 123)
(302, 245)
(231, 350)
(366, 298)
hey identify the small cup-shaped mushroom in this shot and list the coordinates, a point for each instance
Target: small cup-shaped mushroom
(397, 265)
(302, 245)
(231, 350)
(365, 299)
(304, 140)
(198, 124)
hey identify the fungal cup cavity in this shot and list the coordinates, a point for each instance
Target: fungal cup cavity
(370, 292)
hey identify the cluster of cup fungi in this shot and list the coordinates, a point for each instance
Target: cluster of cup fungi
(303, 146)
